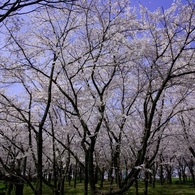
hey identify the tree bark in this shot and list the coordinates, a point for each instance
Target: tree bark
(19, 189)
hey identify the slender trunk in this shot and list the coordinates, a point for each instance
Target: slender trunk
(96, 174)
(40, 162)
(62, 186)
(68, 165)
(191, 169)
(55, 165)
(190, 165)
(10, 188)
(81, 171)
(154, 171)
(154, 182)
(184, 175)
(193, 178)
(110, 172)
(161, 175)
(146, 183)
(169, 174)
(86, 174)
(102, 179)
(179, 174)
(91, 172)
(136, 187)
(69, 175)
(40, 132)
(111, 184)
(75, 174)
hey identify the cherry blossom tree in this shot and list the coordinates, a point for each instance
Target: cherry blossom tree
(95, 82)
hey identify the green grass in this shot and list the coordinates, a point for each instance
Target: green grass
(28, 191)
(76, 191)
(166, 189)
(69, 190)
(2, 186)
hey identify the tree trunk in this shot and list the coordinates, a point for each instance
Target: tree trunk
(75, 175)
(62, 186)
(40, 161)
(110, 172)
(154, 171)
(184, 176)
(69, 174)
(10, 188)
(161, 175)
(96, 174)
(86, 175)
(146, 183)
(81, 171)
(91, 172)
(116, 163)
(190, 165)
(169, 174)
(179, 174)
(19, 189)
(136, 187)
(102, 179)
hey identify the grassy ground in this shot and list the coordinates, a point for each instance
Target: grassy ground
(166, 189)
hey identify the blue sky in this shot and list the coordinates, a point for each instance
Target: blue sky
(154, 4)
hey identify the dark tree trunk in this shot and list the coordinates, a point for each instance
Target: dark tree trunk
(110, 172)
(86, 175)
(193, 177)
(184, 177)
(75, 174)
(96, 174)
(161, 175)
(180, 176)
(81, 172)
(146, 183)
(136, 187)
(40, 161)
(49, 177)
(154, 171)
(10, 188)
(19, 189)
(62, 186)
(102, 178)
(190, 165)
(116, 162)
(69, 175)
(169, 173)
(91, 170)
